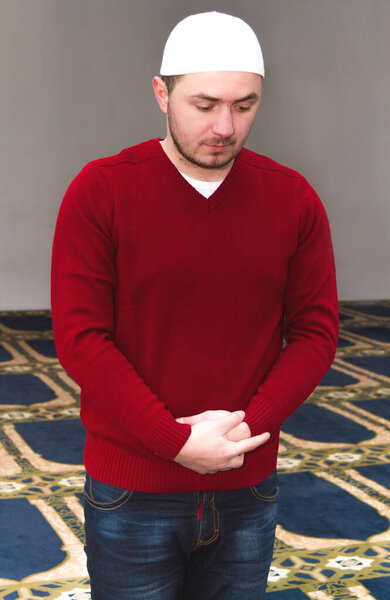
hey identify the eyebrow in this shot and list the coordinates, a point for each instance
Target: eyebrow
(201, 96)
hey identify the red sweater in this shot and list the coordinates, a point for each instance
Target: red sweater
(166, 304)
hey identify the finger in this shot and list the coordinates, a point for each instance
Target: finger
(238, 461)
(240, 432)
(252, 443)
(207, 415)
(191, 420)
(230, 421)
(214, 415)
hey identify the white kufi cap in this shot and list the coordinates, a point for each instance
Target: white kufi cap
(212, 41)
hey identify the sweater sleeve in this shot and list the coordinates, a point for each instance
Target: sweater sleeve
(310, 325)
(83, 281)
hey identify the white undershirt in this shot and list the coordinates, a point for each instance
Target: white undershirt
(206, 188)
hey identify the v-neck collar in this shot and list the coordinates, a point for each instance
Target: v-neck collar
(176, 177)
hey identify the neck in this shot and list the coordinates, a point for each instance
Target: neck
(188, 168)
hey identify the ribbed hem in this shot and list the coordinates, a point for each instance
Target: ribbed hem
(260, 416)
(115, 465)
(167, 437)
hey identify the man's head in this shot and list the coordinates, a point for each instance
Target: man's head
(210, 87)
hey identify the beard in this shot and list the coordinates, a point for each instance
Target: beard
(215, 162)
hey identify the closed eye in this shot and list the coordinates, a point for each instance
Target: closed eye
(208, 108)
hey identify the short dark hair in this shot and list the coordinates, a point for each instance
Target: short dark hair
(170, 81)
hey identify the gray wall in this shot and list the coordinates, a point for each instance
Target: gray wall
(75, 80)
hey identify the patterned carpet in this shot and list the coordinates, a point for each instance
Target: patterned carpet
(333, 537)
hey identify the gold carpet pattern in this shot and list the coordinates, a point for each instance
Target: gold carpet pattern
(42, 476)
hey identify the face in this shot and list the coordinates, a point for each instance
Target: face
(210, 115)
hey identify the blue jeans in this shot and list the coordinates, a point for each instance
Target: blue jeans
(184, 546)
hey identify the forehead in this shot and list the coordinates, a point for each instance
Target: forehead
(224, 85)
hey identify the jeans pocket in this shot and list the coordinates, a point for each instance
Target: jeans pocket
(103, 495)
(266, 490)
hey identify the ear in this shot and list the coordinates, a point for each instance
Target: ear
(161, 93)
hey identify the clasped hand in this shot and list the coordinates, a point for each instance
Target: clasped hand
(218, 442)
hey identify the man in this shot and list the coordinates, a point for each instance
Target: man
(179, 267)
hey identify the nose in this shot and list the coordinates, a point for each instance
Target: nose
(223, 124)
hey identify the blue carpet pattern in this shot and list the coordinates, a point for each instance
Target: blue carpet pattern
(333, 533)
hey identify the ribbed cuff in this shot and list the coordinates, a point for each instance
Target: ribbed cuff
(260, 416)
(167, 437)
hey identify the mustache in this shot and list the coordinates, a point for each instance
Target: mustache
(220, 141)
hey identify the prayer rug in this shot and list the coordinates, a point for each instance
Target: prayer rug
(333, 533)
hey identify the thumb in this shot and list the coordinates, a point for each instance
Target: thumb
(230, 421)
